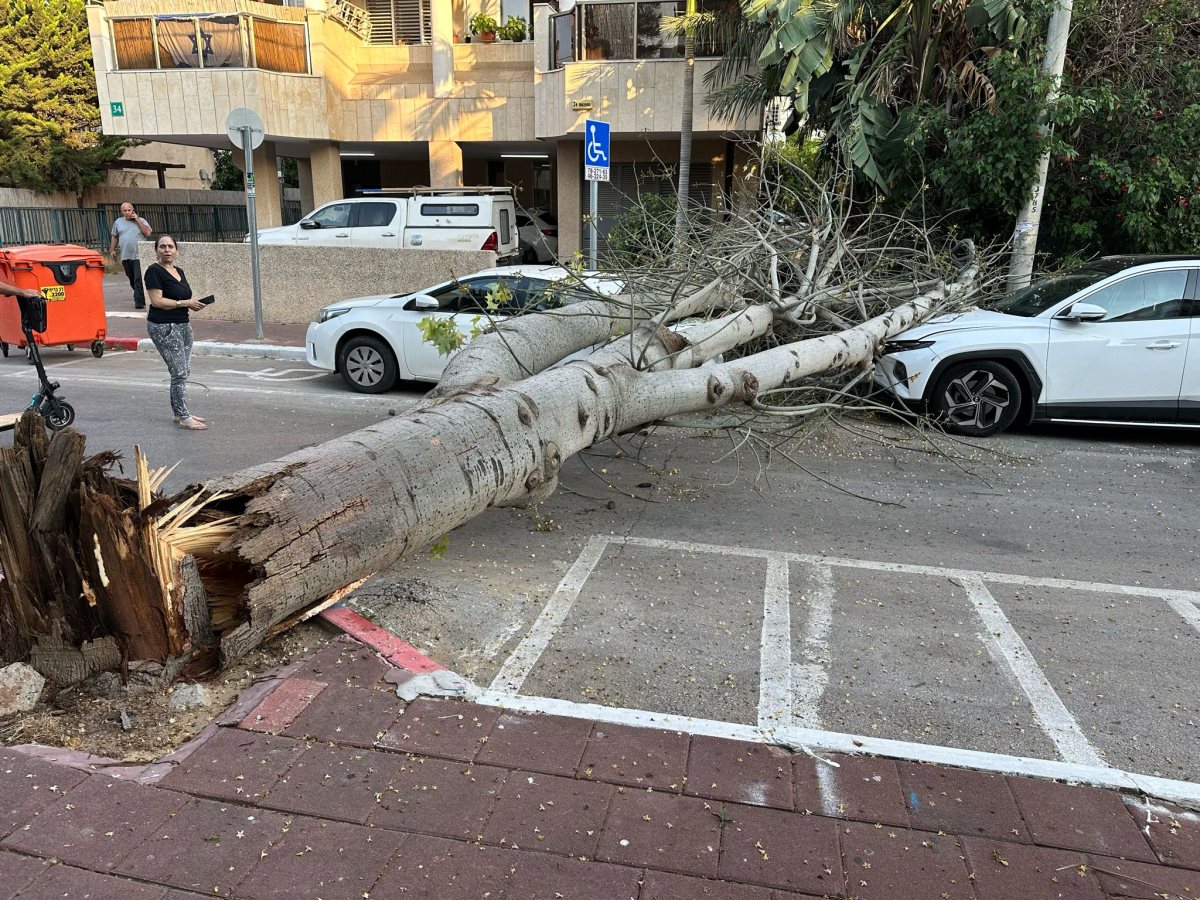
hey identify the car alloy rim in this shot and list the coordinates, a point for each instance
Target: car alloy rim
(976, 398)
(365, 366)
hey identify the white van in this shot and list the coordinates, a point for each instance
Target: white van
(481, 218)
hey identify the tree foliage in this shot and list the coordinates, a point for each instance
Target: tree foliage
(49, 119)
(937, 103)
(1128, 177)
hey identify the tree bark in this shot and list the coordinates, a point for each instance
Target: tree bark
(1029, 220)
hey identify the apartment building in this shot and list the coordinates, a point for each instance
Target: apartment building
(398, 93)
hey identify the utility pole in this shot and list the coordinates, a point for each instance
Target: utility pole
(1025, 235)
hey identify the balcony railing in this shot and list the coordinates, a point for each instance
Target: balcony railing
(210, 42)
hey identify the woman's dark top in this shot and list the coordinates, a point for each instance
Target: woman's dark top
(159, 279)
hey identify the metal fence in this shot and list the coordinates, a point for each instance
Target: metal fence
(92, 227)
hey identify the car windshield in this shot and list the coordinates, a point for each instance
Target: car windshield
(1039, 297)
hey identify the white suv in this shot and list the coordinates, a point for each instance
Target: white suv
(1117, 340)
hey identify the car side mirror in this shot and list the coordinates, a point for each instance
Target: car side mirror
(1084, 312)
(309, 224)
(424, 301)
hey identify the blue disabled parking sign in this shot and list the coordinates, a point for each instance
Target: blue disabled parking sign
(596, 159)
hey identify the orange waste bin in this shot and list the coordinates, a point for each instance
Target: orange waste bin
(71, 279)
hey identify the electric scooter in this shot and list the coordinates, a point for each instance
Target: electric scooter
(57, 412)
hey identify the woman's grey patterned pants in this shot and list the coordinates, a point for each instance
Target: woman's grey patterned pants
(174, 343)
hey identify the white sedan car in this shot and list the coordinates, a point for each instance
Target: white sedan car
(376, 341)
(1117, 340)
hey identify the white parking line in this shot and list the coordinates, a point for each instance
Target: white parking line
(1100, 587)
(812, 676)
(1060, 726)
(518, 665)
(818, 741)
(775, 653)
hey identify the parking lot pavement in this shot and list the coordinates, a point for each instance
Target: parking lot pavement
(1030, 611)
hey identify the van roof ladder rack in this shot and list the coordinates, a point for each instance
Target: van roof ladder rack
(479, 189)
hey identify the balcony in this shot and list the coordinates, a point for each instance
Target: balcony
(620, 63)
(234, 41)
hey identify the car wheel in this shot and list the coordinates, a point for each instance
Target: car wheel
(977, 398)
(529, 256)
(367, 365)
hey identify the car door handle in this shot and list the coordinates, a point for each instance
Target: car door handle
(1163, 345)
(343, 234)
(388, 234)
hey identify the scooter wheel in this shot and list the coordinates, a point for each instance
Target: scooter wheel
(4, 349)
(97, 349)
(62, 417)
(70, 348)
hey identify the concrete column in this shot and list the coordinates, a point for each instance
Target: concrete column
(442, 26)
(269, 203)
(324, 175)
(305, 176)
(445, 164)
(569, 175)
(268, 200)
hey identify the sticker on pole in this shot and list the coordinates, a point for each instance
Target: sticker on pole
(596, 157)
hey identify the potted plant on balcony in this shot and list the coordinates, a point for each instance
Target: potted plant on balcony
(485, 26)
(513, 30)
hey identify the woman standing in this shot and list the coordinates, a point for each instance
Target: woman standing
(167, 323)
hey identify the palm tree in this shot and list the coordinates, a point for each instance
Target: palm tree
(687, 109)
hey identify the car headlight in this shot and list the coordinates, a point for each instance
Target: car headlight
(901, 346)
(332, 312)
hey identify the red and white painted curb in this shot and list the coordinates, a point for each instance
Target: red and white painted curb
(399, 653)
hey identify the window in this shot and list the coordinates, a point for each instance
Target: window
(336, 215)
(280, 46)
(1041, 295)
(563, 49)
(209, 42)
(471, 296)
(375, 215)
(638, 30)
(1139, 298)
(609, 31)
(652, 41)
(133, 40)
(177, 43)
(505, 226)
(449, 209)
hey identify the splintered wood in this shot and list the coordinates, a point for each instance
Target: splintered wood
(93, 571)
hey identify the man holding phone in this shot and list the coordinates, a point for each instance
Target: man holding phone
(126, 232)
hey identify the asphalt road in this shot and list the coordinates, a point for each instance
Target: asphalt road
(258, 409)
(878, 585)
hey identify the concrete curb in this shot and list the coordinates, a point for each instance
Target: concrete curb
(216, 348)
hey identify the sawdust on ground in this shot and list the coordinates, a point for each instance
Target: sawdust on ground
(94, 725)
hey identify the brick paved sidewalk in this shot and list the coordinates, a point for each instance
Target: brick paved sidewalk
(334, 788)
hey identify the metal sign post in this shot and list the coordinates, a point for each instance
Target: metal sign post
(596, 168)
(245, 129)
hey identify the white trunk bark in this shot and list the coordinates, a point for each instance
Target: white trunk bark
(1029, 220)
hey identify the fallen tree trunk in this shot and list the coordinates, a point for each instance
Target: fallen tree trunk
(196, 581)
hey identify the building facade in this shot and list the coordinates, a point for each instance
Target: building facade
(399, 93)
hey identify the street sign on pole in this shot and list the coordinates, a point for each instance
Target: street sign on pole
(597, 160)
(246, 131)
